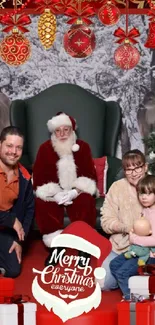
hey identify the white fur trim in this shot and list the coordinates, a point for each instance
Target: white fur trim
(47, 191)
(66, 171)
(73, 241)
(100, 274)
(75, 147)
(97, 193)
(47, 239)
(86, 185)
(105, 177)
(57, 121)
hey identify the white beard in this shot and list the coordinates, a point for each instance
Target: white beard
(63, 148)
(60, 307)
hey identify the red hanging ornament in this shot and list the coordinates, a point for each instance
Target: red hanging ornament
(79, 41)
(150, 43)
(15, 49)
(126, 56)
(109, 14)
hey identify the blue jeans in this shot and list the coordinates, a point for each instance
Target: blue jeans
(8, 261)
(110, 281)
(122, 269)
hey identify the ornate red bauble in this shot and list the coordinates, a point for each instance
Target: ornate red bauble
(15, 49)
(79, 41)
(126, 56)
(150, 43)
(109, 14)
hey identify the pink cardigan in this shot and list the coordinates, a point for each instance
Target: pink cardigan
(149, 213)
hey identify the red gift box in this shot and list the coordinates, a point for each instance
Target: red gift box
(136, 313)
(6, 288)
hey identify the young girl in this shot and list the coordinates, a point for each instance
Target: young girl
(122, 268)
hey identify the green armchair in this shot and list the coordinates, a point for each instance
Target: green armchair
(98, 124)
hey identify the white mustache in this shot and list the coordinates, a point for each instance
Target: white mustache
(68, 296)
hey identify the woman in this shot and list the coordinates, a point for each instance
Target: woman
(121, 207)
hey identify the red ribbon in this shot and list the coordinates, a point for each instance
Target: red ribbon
(152, 14)
(16, 299)
(134, 32)
(20, 22)
(19, 300)
(55, 6)
(83, 14)
(148, 269)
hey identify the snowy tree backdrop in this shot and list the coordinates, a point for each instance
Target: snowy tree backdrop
(97, 73)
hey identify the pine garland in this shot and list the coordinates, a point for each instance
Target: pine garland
(150, 147)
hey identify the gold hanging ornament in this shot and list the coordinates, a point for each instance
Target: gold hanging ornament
(47, 28)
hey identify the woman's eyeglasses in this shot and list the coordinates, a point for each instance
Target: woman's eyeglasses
(136, 169)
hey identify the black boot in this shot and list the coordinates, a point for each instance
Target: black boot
(47, 261)
(84, 256)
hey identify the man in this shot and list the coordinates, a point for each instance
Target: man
(64, 179)
(16, 201)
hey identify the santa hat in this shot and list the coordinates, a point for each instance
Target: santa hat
(79, 235)
(63, 119)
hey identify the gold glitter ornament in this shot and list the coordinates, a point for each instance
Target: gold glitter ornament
(47, 29)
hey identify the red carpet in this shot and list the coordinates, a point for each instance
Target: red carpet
(105, 314)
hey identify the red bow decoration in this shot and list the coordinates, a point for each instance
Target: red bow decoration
(87, 11)
(16, 299)
(12, 22)
(152, 14)
(19, 300)
(134, 32)
(54, 5)
(148, 269)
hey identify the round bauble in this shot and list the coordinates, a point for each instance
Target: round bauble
(126, 56)
(79, 41)
(15, 49)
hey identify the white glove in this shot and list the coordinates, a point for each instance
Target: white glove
(59, 196)
(67, 199)
(69, 203)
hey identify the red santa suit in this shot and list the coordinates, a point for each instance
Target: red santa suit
(52, 174)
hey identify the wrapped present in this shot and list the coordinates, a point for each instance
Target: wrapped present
(148, 270)
(6, 288)
(136, 313)
(18, 313)
(139, 285)
(142, 285)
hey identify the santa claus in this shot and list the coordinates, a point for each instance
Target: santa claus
(64, 179)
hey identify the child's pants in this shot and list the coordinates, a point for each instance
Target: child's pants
(122, 269)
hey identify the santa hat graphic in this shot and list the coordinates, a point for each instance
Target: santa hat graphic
(79, 235)
(62, 119)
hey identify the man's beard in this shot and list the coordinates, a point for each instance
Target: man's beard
(6, 160)
(64, 147)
